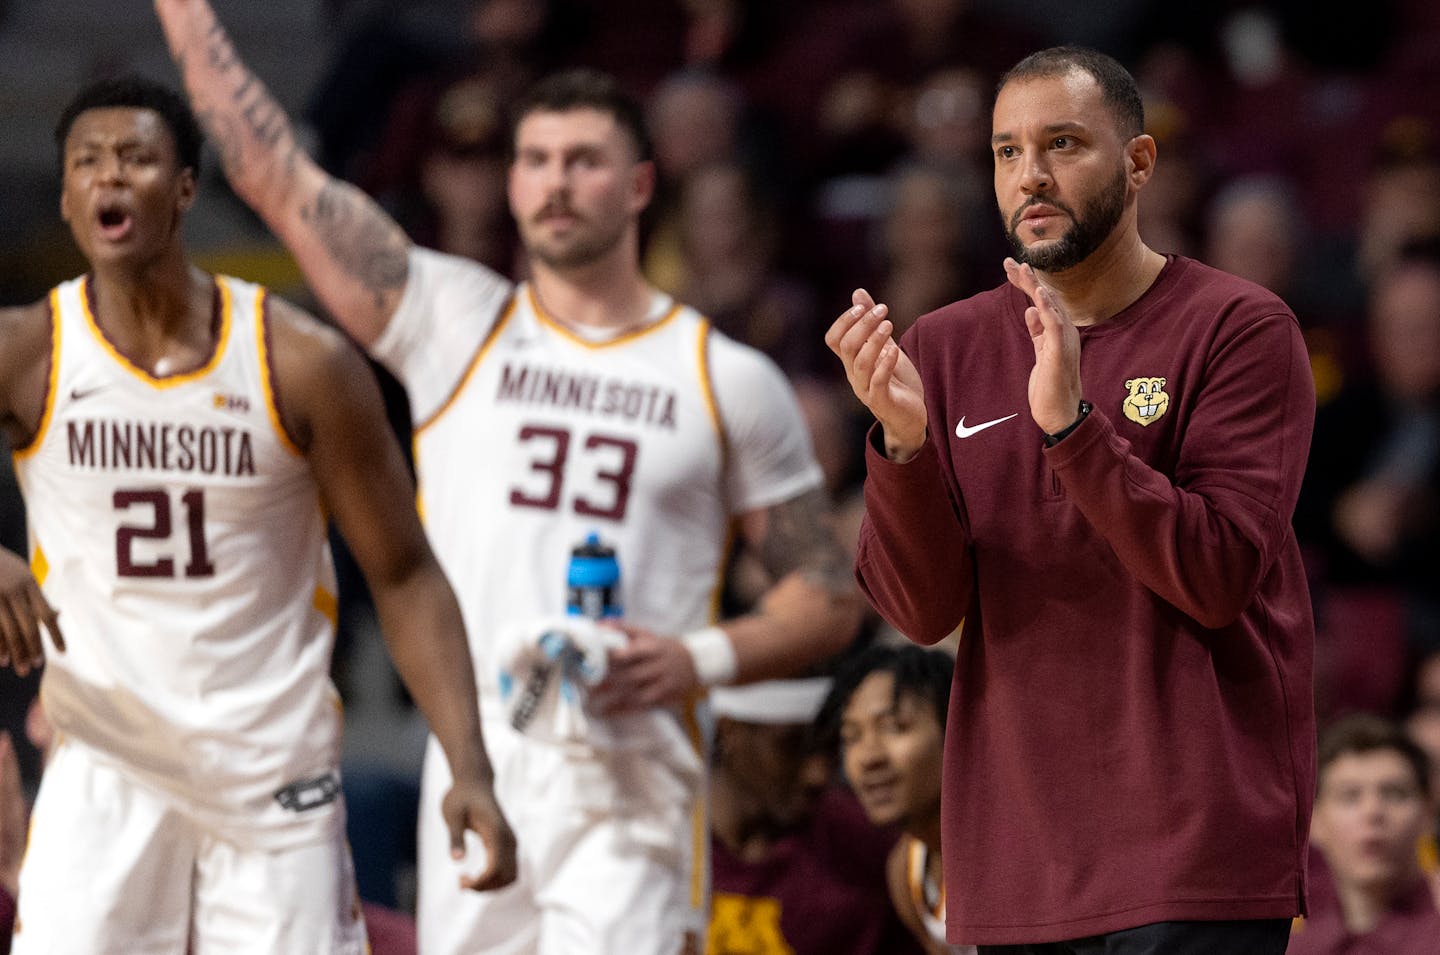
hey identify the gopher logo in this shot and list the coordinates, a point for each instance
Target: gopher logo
(1147, 401)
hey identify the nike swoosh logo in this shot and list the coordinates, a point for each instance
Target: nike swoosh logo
(963, 432)
(77, 394)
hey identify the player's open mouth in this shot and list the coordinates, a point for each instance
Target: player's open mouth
(115, 222)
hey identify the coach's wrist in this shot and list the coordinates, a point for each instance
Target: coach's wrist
(713, 655)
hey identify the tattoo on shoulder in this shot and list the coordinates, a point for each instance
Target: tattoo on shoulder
(362, 239)
(798, 536)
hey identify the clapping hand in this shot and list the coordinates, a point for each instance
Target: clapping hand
(881, 374)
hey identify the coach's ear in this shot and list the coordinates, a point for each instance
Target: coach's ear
(1140, 160)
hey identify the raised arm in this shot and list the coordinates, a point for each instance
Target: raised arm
(333, 409)
(354, 256)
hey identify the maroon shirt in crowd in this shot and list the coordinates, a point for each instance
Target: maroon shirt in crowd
(821, 890)
(1411, 927)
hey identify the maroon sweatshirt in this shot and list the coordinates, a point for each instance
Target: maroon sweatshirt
(1131, 734)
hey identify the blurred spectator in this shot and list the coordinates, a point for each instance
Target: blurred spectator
(728, 242)
(886, 717)
(1423, 720)
(836, 80)
(396, 60)
(1401, 196)
(926, 243)
(796, 868)
(1173, 196)
(1387, 517)
(441, 168)
(1370, 509)
(695, 120)
(1372, 808)
(1256, 228)
(947, 121)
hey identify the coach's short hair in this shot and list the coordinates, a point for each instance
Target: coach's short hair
(585, 89)
(136, 92)
(1117, 86)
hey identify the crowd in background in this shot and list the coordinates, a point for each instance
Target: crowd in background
(808, 147)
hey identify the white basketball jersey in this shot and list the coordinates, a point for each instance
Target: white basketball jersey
(179, 532)
(536, 437)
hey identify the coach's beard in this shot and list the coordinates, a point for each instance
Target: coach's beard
(1085, 235)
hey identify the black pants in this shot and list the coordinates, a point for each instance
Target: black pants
(1245, 937)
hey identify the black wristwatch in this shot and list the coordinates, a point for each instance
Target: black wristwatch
(1053, 439)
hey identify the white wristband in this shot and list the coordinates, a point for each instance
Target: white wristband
(713, 655)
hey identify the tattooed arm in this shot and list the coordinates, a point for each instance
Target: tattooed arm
(354, 256)
(813, 609)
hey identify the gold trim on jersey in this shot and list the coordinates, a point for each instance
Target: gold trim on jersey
(328, 605)
(707, 389)
(506, 311)
(699, 817)
(699, 859)
(267, 383)
(39, 563)
(52, 386)
(712, 406)
(167, 381)
(915, 875)
(547, 319)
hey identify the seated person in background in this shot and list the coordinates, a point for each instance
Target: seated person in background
(797, 870)
(1372, 808)
(1422, 720)
(886, 714)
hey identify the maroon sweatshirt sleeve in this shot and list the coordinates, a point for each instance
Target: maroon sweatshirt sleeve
(1204, 541)
(914, 560)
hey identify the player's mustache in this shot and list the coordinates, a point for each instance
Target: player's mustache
(556, 207)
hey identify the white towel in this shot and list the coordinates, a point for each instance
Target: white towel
(639, 768)
(547, 671)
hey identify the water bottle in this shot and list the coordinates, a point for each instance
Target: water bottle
(593, 580)
(592, 590)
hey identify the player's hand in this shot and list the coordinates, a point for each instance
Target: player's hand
(12, 817)
(647, 672)
(881, 374)
(1055, 391)
(23, 609)
(471, 807)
